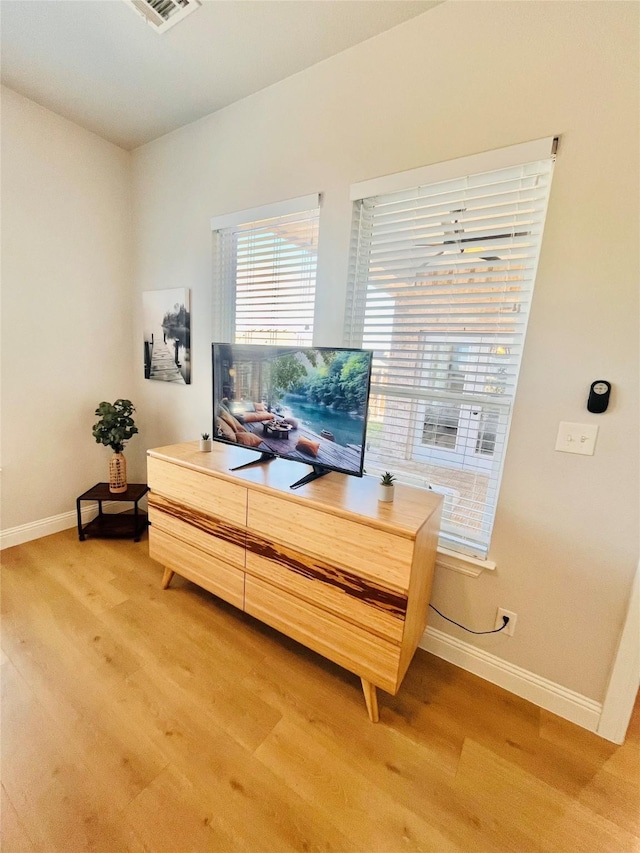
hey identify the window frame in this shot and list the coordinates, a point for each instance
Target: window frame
(224, 320)
(483, 410)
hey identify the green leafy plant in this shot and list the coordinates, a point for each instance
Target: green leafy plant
(205, 436)
(387, 479)
(116, 425)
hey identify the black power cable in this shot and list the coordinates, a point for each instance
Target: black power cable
(505, 622)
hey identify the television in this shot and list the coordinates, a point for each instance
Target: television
(307, 404)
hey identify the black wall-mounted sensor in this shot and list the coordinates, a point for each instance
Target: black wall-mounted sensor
(599, 394)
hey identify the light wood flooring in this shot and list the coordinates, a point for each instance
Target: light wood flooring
(140, 720)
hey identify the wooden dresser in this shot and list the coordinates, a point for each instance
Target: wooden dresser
(328, 565)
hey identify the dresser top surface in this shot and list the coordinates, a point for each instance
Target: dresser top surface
(338, 494)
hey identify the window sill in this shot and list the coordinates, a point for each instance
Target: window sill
(471, 566)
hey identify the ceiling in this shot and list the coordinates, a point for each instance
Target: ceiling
(98, 64)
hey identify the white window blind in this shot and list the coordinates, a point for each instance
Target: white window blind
(440, 284)
(265, 274)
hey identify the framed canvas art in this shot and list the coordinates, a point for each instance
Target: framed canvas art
(167, 335)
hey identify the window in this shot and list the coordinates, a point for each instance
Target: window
(265, 273)
(443, 261)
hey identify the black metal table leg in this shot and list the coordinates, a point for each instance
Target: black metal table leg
(136, 537)
(79, 512)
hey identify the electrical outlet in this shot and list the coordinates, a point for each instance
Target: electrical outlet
(511, 624)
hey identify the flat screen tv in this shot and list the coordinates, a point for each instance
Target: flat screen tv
(308, 404)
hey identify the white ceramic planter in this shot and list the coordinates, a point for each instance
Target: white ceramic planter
(205, 445)
(385, 493)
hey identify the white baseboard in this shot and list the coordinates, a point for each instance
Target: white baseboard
(546, 694)
(54, 524)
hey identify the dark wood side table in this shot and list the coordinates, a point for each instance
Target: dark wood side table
(114, 525)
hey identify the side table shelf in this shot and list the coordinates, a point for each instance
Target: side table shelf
(131, 523)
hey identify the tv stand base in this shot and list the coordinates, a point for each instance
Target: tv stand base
(318, 471)
(264, 457)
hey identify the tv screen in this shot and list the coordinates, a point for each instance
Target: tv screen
(308, 404)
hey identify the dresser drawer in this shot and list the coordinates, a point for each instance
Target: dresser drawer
(349, 646)
(203, 569)
(203, 492)
(219, 538)
(367, 551)
(362, 602)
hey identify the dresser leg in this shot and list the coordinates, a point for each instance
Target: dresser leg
(371, 699)
(166, 577)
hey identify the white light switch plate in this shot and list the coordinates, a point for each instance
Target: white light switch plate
(577, 438)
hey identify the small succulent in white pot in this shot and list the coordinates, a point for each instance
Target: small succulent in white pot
(386, 486)
(205, 442)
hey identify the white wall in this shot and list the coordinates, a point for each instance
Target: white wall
(463, 78)
(67, 338)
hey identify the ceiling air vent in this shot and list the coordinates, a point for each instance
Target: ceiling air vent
(163, 14)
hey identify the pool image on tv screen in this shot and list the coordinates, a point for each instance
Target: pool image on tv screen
(308, 404)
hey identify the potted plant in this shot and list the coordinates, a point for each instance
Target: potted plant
(205, 442)
(386, 487)
(114, 429)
